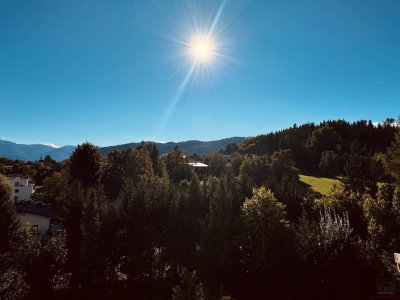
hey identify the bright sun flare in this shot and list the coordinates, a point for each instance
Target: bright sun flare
(202, 49)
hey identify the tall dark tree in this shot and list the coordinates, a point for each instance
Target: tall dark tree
(216, 163)
(216, 237)
(152, 152)
(267, 246)
(85, 165)
(177, 166)
(392, 160)
(232, 148)
(9, 223)
(329, 163)
(122, 165)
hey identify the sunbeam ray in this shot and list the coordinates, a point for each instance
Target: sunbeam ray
(177, 97)
(216, 19)
(202, 50)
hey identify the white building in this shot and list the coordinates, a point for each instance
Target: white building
(198, 165)
(36, 215)
(22, 189)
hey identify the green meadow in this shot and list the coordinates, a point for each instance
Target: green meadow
(321, 185)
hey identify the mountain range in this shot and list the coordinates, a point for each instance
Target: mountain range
(34, 152)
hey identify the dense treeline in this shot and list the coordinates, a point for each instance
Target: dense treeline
(37, 171)
(145, 227)
(327, 147)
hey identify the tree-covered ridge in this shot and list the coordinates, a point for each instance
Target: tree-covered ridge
(328, 145)
(188, 147)
(24, 152)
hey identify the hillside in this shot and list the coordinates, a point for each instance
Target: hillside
(34, 152)
(321, 185)
(188, 147)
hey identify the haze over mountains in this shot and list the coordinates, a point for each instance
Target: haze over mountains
(34, 152)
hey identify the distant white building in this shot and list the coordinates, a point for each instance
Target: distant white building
(22, 189)
(198, 165)
(199, 168)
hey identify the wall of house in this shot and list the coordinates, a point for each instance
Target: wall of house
(19, 181)
(23, 193)
(43, 223)
(22, 190)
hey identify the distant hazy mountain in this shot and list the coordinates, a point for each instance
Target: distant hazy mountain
(36, 151)
(188, 147)
(33, 152)
(61, 153)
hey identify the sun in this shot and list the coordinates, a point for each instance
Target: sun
(202, 48)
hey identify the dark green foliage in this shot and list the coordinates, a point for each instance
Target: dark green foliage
(278, 173)
(177, 166)
(84, 165)
(232, 148)
(128, 164)
(145, 207)
(267, 252)
(152, 152)
(35, 266)
(216, 236)
(362, 173)
(309, 141)
(9, 224)
(329, 163)
(216, 164)
(392, 160)
(146, 227)
(235, 162)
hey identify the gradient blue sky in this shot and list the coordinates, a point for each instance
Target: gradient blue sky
(107, 71)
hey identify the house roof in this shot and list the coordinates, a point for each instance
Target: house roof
(198, 165)
(44, 210)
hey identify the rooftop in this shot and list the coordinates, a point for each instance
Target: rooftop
(198, 165)
(44, 210)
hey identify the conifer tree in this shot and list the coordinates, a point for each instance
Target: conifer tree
(9, 223)
(84, 165)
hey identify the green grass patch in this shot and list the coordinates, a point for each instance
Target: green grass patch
(321, 185)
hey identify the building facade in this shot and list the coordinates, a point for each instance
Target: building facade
(22, 189)
(36, 215)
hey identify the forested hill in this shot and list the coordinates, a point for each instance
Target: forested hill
(329, 145)
(330, 142)
(24, 152)
(33, 152)
(188, 147)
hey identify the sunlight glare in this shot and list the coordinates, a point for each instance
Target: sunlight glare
(202, 48)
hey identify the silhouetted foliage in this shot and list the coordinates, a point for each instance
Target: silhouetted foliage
(149, 227)
(84, 165)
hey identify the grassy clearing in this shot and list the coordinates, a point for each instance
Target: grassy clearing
(320, 184)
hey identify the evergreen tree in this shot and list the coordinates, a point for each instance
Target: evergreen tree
(9, 224)
(216, 163)
(216, 237)
(392, 160)
(267, 246)
(84, 165)
(177, 166)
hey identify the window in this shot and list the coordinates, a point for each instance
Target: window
(16, 190)
(15, 198)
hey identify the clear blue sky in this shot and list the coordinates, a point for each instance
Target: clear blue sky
(108, 71)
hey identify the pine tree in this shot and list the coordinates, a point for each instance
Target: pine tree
(392, 160)
(84, 165)
(9, 223)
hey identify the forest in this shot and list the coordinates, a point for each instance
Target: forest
(143, 226)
